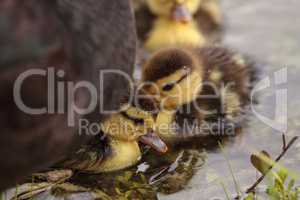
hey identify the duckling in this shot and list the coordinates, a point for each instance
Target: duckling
(118, 146)
(163, 23)
(198, 85)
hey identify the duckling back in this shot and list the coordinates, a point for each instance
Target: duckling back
(228, 79)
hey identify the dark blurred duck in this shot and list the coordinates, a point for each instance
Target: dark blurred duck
(75, 36)
(198, 85)
(165, 23)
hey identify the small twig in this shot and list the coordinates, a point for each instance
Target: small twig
(284, 150)
(283, 141)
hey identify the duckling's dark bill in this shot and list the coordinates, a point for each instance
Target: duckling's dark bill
(181, 13)
(154, 141)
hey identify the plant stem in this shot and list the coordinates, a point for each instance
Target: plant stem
(283, 141)
(284, 150)
(237, 187)
(225, 189)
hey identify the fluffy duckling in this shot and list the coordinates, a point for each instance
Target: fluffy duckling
(198, 85)
(164, 23)
(118, 147)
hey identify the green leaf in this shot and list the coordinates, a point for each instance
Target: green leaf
(67, 188)
(273, 193)
(99, 194)
(291, 185)
(283, 174)
(128, 194)
(249, 197)
(278, 184)
(128, 175)
(118, 191)
(297, 192)
(142, 191)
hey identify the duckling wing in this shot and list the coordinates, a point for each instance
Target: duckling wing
(89, 157)
(233, 76)
(188, 123)
(224, 67)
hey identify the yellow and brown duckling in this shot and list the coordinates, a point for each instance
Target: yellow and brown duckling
(202, 85)
(117, 148)
(165, 23)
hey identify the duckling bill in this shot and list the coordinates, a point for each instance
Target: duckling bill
(181, 13)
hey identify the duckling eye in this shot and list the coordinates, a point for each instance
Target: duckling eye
(168, 87)
(137, 121)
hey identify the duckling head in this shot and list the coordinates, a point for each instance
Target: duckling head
(133, 124)
(178, 10)
(124, 130)
(173, 77)
(174, 25)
